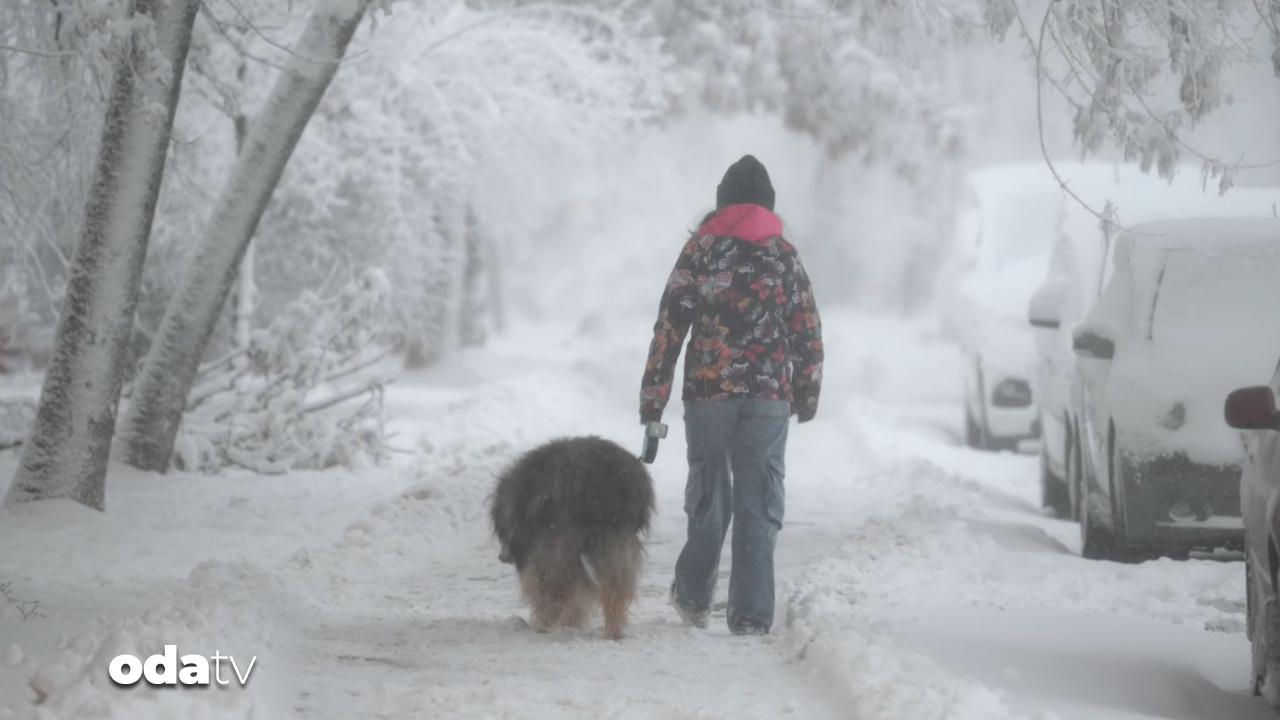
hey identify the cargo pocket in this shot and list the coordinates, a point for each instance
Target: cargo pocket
(776, 504)
(694, 488)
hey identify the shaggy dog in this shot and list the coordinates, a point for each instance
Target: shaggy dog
(570, 514)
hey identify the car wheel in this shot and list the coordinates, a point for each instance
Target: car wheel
(1096, 543)
(1053, 490)
(1257, 642)
(1261, 627)
(1075, 490)
(1122, 551)
(975, 436)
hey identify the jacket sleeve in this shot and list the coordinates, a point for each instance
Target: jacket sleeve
(675, 313)
(806, 345)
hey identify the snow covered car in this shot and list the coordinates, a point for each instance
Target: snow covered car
(1005, 225)
(1079, 266)
(1188, 314)
(1254, 409)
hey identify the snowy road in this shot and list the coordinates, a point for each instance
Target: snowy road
(917, 579)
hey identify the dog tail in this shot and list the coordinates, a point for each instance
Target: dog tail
(610, 554)
(589, 569)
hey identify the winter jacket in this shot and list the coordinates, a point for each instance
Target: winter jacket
(740, 287)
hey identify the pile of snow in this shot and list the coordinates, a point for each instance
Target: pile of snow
(866, 671)
(225, 608)
(935, 529)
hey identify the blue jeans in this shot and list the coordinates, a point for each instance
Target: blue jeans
(736, 468)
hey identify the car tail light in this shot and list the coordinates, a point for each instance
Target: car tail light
(1011, 393)
(1252, 408)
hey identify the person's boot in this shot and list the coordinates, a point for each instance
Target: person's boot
(694, 619)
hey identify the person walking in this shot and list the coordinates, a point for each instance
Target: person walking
(754, 359)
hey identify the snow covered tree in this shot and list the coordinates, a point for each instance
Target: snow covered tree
(160, 391)
(67, 452)
(412, 163)
(860, 77)
(54, 65)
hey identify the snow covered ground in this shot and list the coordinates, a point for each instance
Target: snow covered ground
(917, 579)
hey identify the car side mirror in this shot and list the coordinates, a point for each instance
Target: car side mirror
(1088, 342)
(1045, 310)
(1252, 408)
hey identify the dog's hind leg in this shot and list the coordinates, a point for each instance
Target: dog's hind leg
(577, 607)
(616, 596)
(545, 611)
(622, 556)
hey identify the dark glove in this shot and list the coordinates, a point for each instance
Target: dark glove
(805, 416)
(648, 415)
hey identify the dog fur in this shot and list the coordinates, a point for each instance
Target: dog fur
(571, 515)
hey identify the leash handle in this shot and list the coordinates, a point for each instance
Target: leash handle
(653, 432)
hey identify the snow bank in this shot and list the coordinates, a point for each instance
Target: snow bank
(867, 672)
(975, 541)
(873, 619)
(227, 608)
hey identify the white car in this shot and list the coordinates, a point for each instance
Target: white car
(1006, 224)
(1189, 314)
(1079, 266)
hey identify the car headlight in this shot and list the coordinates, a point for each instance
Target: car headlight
(1011, 393)
(1175, 418)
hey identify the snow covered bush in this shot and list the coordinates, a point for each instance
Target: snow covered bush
(16, 415)
(306, 393)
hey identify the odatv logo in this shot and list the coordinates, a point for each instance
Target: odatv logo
(164, 669)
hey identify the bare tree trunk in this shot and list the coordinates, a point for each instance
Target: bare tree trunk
(246, 284)
(455, 258)
(160, 391)
(70, 443)
(493, 261)
(473, 312)
(246, 293)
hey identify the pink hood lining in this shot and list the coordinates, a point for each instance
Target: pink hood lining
(752, 223)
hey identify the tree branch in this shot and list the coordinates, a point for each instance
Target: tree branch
(38, 53)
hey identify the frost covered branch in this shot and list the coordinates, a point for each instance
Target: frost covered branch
(1142, 74)
(37, 53)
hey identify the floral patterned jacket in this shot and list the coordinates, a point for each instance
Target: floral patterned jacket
(740, 287)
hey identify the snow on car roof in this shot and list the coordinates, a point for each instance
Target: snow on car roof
(1236, 234)
(1224, 265)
